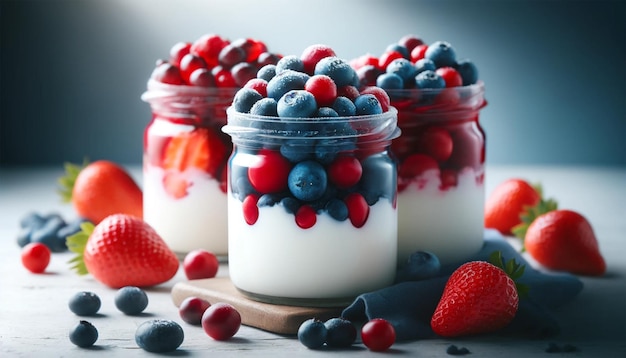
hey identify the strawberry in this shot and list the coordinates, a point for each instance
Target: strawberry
(479, 297)
(201, 148)
(507, 202)
(562, 240)
(122, 250)
(99, 189)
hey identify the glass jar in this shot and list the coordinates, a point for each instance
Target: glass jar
(184, 166)
(441, 171)
(312, 216)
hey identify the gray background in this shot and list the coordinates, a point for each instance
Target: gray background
(72, 71)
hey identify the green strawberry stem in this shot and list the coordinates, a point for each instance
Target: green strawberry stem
(530, 213)
(76, 243)
(513, 269)
(66, 182)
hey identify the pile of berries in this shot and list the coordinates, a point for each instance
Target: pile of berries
(51, 230)
(318, 163)
(377, 334)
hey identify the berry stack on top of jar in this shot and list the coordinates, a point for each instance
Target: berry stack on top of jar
(441, 153)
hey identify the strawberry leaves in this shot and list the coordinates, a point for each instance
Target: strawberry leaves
(513, 269)
(66, 182)
(76, 243)
(530, 213)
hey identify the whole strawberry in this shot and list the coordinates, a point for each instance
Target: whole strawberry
(122, 250)
(100, 189)
(479, 297)
(507, 202)
(564, 240)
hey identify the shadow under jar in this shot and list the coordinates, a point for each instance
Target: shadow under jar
(312, 218)
(441, 171)
(184, 166)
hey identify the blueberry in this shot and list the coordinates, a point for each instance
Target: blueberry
(267, 72)
(290, 204)
(284, 82)
(326, 150)
(131, 300)
(340, 71)
(159, 336)
(289, 62)
(297, 104)
(307, 180)
(325, 112)
(265, 107)
(398, 48)
(441, 53)
(429, 79)
(297, 150)
(344, 107)
(268, 200)
(420, 265)
(337, 209)
(424, 64)
(312, 333)
(71, 228)
(84, 303)
(84, 334)
(367, 104)
(32, 220)
(48, 234)
(403, 68)
(468, 72)
(377, 179)
(245, 98)
(456, 351)
(390, 81)
(340, 332)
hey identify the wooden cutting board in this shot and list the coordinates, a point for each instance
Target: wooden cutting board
(270, 317)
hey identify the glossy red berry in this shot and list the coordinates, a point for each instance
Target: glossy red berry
(418, 52)
(323, 88)
(270, 173)
(306, 217)
(417, 164)
(221, 321)
(345, 172)
(381, 95)
(387, 57)
(313, 54)
(177, 52)
(35, 257)
(190, 63)
(208, 47)
(192, 308)
(358, 210)
(410, 42)
(378, 335)
(167, 73)
(257, 84)
(199, 264)
(250, 209)
(436, 142)
(202, 78)
(451, 76)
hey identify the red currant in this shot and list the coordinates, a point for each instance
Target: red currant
(410, 42)
(437, 143)
(306, 217)
(221, 321)
(257, 84)
(192, 309)
(231, 55)
(358, 210)
(313, 54)
(250, 209)
(345, 171)
(200, 263)
(35, 257)
(451, 76)
(190, 63)
(208, 47)
(323, 89)
(270, 174)
(418, 52)
(202, 78)
(381, 95)
(387, 57)
(167, 73)
(378, 335)
(177, 52)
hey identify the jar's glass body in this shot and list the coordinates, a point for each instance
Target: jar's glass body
(315, 233)
(184, 167)
(441, 164)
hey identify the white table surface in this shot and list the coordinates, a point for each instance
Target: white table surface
(35, 319)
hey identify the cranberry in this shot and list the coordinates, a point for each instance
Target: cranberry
(349, 92)
(35, 257)
(167, 73)
(381, 96)
(345, 171)
(387, 57)
(451, 76)
(416, 164)
(313, 54)
(190, 63)
(177, 52)
(378, 335)
(224, 79)
(410, 42)
(221, 321)
(257, 84)
(270, 174)
(202, 78)
(358, 210)
(200, 263)
(231, 55)
(323, 89)
(250, 209)
(448, 179)
(208, 47)
(418, 52)
(251, 47)
(192, 309)
(306, 217)
(267, 58)
(243, 72)
(437, 143)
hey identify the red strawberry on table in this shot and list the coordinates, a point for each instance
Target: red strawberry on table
(122, 250)
(479, 297)
(563, 240)
(507, 202)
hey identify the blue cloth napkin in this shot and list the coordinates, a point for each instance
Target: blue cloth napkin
(409, 305)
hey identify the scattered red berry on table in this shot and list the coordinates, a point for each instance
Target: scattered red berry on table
(35, 257)
(221, 321)
(192, 308)
(199, 264)
(378, 335)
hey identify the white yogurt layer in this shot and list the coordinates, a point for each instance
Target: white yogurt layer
(274, 257)
(196, 221)
(448, 223)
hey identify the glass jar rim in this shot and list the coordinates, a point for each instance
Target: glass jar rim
(158, 91)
